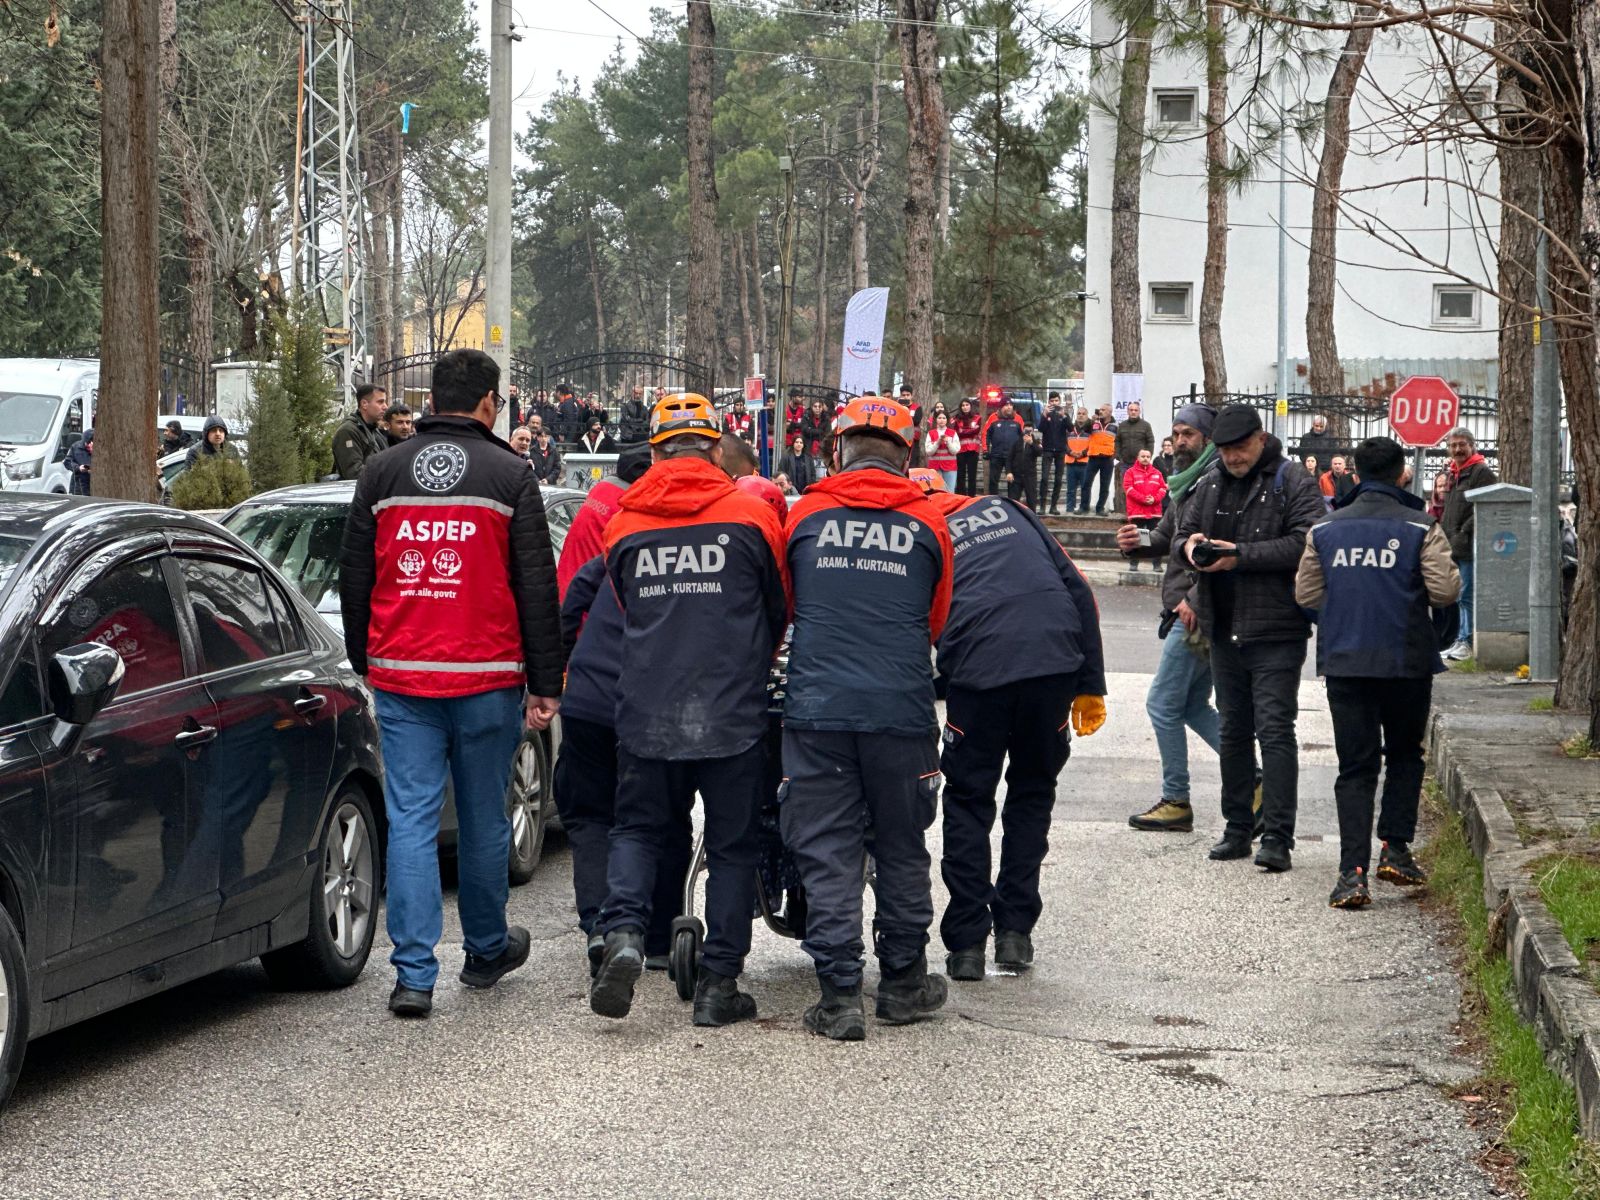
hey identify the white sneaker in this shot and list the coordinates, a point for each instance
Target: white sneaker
(1459, 651)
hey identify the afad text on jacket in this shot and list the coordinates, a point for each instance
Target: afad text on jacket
(1019, 608)
(698, 569)
(447, 582)
(871, 562)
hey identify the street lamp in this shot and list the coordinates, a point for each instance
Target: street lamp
(786, 267)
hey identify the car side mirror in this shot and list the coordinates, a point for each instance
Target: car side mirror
(83, 680)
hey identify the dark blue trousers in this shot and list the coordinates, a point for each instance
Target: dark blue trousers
(1025, 722)
(586, 798)
(846, 795)
(654, 799)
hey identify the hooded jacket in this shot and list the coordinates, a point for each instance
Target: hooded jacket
(697, 566)
(79, 462)
(447, 584)
(204, 446)
(871, 562)
(1007, 562)
(1267, 514)
(1144, 488)
(1371, 570)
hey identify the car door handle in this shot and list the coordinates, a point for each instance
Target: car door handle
(307, 705)
(190, 738)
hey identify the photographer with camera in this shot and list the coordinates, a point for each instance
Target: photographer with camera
(1243, 530)
(1180, 694)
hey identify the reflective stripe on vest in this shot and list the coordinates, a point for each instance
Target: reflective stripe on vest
(504, 510)
(396, 664)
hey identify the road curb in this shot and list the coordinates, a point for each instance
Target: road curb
(1552, 993)
(1101, 576)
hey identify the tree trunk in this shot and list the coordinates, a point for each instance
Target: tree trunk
(1214, 366)
(986, 369)
(925, 129)
(1572, 211)
(741, 271)
(1326, 376)
(758, 285)
(820, 330)
(599, 297)
(944, 186)
(130, 324)
(1127, 299)
(1519, 236)
(704, 257)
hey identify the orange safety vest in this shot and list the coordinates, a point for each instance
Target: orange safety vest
(1077, 447)
(1102, 443)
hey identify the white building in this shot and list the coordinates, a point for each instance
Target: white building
(1397, 313)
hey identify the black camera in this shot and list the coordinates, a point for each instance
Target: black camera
(1205, 554)
(1169, 618)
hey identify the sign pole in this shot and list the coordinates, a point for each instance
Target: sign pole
(1419, 461)
(1544, 580)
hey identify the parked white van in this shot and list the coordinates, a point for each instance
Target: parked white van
(45, 404)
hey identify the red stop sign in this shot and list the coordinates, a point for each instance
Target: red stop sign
(1423, 409)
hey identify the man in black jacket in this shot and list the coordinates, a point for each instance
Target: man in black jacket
(357, 438)
(1053, 430)
(1372, 570)
(1022, 470)
(447, 586)
(1243, 532)
(1468, 469)
(633, 423)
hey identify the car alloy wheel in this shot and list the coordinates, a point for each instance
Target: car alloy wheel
(13, 1005)
(527, 804)
(348, 891)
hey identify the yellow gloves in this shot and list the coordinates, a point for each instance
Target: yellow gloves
(1088, 714)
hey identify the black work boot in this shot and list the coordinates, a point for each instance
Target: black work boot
(410, 1002)
(966, 965)
(1013, 949)
(597, 951)
(486, 972)
(611, 993)
(1396, 865)
(910, 994)
(718, 1000)
(839, 1014)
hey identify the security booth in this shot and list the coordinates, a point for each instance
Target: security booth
(1502, 549)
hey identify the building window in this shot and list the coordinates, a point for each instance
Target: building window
(1465, 104)
(1172, 302)
(1455, 304)
(1176, 106)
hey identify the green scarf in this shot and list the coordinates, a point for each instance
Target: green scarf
(1178, 485)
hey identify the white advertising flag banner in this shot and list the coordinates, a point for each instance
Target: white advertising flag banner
(863, 341)
(1125, 390)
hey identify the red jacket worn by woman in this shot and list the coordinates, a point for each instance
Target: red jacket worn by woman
(1144, 487)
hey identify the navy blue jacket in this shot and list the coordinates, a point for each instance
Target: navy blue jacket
(1053, 428)
(594, 664)
(1371, 569)
(869, 557)
(697, 566)
(1019, 609)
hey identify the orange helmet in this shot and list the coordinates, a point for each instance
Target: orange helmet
(765, 490)
(876, 413)
(928, 479)
(682, 413)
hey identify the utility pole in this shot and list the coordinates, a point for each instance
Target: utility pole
(1282, 405)
(497, 293)
(1544, 582)
(786, 276)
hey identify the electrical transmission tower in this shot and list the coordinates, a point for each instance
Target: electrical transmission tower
(330, 211)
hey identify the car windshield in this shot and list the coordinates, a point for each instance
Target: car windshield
(26, 419)
(302, 541)
(11, 551)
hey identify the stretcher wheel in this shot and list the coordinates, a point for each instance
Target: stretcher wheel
(684, 963)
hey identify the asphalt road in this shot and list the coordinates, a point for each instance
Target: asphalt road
(1191, 1029)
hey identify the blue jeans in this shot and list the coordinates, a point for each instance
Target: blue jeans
(468, 741)
(1466, 599)
(1180, 699)
(949, 480)
(1077, 486)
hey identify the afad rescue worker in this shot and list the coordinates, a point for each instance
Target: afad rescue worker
(698, 568)
(871, 563)
(586, 768)
(447, 586)
(1014, 688)
(1372, 570)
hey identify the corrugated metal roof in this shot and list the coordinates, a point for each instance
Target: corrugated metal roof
(1380, 376)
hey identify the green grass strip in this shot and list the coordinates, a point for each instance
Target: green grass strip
(1555, 1162)
(1569, 885)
